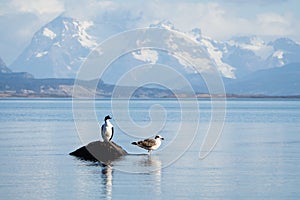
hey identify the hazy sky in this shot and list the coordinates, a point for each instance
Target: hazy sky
(219, 19)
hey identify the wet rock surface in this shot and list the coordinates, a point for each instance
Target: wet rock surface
(105, 152)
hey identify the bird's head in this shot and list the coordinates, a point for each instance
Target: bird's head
(107, 117)
(159, 137)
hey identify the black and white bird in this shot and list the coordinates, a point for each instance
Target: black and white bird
(149, 144)
(107, 129)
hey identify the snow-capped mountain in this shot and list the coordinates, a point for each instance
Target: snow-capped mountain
(57, 49)
(246, 54)
(210, 47)
(216, 51)
(249, 54)
(285, 51)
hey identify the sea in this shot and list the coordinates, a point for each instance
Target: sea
(234, 148)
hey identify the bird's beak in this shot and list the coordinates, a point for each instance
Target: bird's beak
(162, 138)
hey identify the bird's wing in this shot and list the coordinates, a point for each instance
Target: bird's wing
(147, 142)
(102, 129)
(112, 133)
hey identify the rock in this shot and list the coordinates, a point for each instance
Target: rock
(105, 152)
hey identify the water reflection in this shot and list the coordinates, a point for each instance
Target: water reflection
(107, 176)
(149, 165)
(153, 164)
(145, 169)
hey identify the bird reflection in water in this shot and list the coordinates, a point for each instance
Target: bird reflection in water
(107, 176)
(152, 164)
(143, 165)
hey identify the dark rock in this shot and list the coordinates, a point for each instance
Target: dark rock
(105, 152)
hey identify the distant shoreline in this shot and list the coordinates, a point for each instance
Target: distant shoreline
(182, 96)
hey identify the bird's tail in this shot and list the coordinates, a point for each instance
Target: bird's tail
(134, 143)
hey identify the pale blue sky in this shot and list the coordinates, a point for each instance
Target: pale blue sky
(218, 19)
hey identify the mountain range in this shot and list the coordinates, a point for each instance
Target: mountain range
(274, 81)
(248, 64)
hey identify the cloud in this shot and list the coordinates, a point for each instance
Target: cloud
(88, 10)
(256, 2)
(212, 18)
(38, 7)
(220, 21)
(274, 24)
(215, 18)
(16, 34)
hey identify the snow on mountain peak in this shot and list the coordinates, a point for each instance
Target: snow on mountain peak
(217, 55)
(85, 39)
(254, 44)
(48, 33)
(278, 54)
(40, 54)
(163, 24)
(57, 48)
(195, 34)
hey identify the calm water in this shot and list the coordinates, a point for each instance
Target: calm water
(257, 156)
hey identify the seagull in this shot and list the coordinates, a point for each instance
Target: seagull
(107, 129)
(149, 144)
